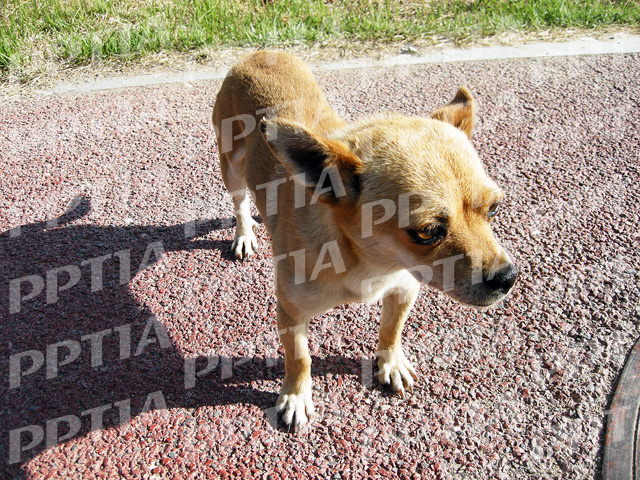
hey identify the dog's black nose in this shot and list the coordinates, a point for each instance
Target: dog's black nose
(503, 279)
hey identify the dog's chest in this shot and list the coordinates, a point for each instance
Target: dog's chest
(371, 287)
(359, 285)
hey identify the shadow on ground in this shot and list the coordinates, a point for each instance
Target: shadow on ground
(80, 351)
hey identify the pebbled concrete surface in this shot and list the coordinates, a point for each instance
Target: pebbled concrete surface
(517, 391)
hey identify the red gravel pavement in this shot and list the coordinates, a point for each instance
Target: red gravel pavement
(517, 391)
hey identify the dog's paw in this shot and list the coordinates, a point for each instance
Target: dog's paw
(296, 408)
(396, 371)
(244, 246)
(245, 243)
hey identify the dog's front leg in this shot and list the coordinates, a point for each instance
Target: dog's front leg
(295, 400)
(393, 367)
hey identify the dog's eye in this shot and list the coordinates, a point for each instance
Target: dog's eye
(493, 210)
(428, 235)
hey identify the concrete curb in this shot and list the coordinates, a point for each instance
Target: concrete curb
(618, 44)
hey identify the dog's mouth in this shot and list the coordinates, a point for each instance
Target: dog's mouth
(482, 301)
(491, 290)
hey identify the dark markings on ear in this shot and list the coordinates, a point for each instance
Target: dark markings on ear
(459, 112)
(311, 162)
(355, 184)
(349, 167)
(324, 165)
(463, 96)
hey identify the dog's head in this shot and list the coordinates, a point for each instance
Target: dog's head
(409, 193)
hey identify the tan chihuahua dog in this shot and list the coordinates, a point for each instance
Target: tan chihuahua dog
(356, 212)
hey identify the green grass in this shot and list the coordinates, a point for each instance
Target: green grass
(75, 32)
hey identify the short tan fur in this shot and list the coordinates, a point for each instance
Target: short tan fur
(356, 212)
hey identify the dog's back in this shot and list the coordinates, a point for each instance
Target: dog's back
(278, 84)
(264, 84)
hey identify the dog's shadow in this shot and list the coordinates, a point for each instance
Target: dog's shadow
(124, 357)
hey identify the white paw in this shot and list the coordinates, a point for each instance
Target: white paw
(296, 408)
(246, 242)
(396, 371)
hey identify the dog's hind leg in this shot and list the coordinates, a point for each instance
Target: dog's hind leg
(232, 168)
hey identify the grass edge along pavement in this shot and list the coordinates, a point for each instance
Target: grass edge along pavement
(70, 33)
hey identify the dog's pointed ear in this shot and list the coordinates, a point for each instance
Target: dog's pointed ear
(326, 167)
(459, 112)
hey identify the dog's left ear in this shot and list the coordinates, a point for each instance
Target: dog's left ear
(326, 167)
(459, 112)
